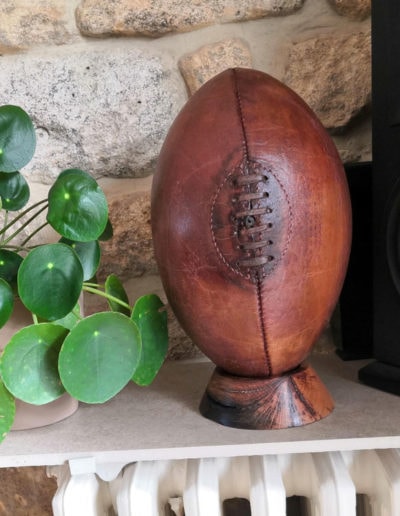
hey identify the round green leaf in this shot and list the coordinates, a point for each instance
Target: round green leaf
(69, 320)
(50, 281)
(14, 191)
(99, 356)
(88, 253)
(107, 233)
(6, 302)
(17, 138)
(77, 206)
(9, 265)
(7, 411)
(29, 363)
(151, 318)
(114, 287)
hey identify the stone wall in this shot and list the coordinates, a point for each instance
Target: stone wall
(104, 79)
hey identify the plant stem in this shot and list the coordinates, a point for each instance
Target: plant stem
(24, 224)
(35, 319)
(20, 215)
(77, 312)
(16, 248)
(5, 224)
(94, 285)
(86, 288)
(21, 247)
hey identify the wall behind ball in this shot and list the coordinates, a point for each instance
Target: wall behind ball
(103, 83)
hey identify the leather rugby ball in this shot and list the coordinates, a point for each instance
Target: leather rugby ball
(251, 223)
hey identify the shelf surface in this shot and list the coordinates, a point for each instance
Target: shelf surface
(163, 422)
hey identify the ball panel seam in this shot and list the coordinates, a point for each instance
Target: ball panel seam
(263, 327)
(245, 144)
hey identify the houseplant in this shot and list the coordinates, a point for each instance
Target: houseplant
(92, 358)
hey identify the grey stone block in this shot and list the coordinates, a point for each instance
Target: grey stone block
(153, 18)
(105, 110)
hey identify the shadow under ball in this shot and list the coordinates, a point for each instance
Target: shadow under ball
(252, 226)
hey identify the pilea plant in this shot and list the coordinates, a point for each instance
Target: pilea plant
(94, 357)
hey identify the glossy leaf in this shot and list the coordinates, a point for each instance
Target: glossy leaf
(70, 320)
(77, 206)
(151, 318)
(89, 255)
(99, 356)
(9, 265)
(7, 411)
(107, 233)
(14, 191)
(17, 138)
(114, 287)
(6, 302)
(50, 281)
(29, 363)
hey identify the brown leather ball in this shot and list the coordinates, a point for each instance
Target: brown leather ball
(251, 223)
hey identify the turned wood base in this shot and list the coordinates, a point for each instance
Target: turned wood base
(294, 399)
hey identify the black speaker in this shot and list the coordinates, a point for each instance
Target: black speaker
(385, 372)
(352, 320)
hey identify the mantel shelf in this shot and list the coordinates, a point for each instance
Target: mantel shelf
(162, 422)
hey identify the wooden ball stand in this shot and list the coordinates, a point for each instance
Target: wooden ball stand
(292, 399)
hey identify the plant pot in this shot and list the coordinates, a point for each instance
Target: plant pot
(28, 415)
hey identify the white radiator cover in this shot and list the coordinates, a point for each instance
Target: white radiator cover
(328, 483)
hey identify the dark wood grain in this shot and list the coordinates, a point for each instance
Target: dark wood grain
(293, 399)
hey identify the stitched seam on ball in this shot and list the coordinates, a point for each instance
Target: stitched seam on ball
(306, 404)
(289, 233)
(241, 117)
(290, 227)
(263, 327)
(238, 272)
